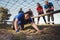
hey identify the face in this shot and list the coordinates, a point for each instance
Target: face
(46, 2)
(38, 4)
(27, 16)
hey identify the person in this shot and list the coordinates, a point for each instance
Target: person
(23, 18)
(49, 8)
(31, 14)
(40, 11)
(21, 10)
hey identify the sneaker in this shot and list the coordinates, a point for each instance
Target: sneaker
(17, 30)
(48, 22)
(52, 23)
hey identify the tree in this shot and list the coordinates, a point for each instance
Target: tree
(4, 15)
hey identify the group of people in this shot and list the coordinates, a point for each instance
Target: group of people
(24, 18)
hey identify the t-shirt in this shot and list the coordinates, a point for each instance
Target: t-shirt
(39, 9)
(48, 6)
(21, 19)
(21, 12)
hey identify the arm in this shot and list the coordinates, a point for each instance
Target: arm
(34, 26)
(16, 24)
(47, 9)
(52, 8)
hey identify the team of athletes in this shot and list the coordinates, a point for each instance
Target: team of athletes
(24, 18)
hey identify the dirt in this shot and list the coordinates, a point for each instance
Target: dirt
(49, 33)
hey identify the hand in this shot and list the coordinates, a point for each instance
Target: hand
(40, 31)
(52, 8)
(47, 9)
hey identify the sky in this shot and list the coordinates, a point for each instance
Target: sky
(15, 5)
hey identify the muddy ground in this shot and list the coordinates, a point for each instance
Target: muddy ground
(50, 32)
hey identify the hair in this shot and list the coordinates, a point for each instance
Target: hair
(46, 0)
(38, 3)
(27, 13)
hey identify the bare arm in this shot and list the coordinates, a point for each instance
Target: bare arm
(16, 24)
(35, 26)
(52, 8)
(47, 9)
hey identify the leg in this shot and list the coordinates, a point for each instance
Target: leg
(33, 20)
(38, 20)
(22, 26)
(48, 19)
(52, 18)
(44, 19)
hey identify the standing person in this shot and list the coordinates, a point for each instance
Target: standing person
(23, 18)
(40, 11)
(31, 14)
(49, 8)
(21, 11)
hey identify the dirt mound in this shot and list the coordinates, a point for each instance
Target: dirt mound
(4, 35)
(49, 33)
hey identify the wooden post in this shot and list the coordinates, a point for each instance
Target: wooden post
(54, 12)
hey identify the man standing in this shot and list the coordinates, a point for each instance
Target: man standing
(21, 11)
(40, 11)
(49, 8)
(23, 18)
(31, 14)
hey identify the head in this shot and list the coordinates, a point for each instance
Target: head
(26, 16)
(29, 9)
(38, 4)
(20, 9)
(46, 2)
